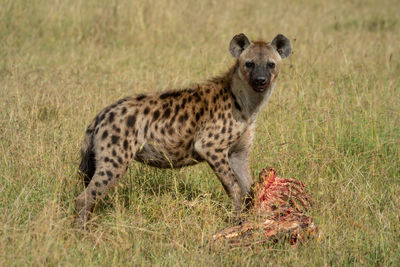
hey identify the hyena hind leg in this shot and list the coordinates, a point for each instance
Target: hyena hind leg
(105, 177)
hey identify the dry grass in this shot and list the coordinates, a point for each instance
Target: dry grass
(333, 122)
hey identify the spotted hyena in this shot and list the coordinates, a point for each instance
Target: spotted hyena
(212, 122)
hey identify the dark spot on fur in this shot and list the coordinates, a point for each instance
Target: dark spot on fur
(171, 131)
(213, 157)
(109, 174)
(218, 150)
(177, 107)
(105, 182)
(101, 173)
(114, 139)
(123, 111)
(111, 117)
(209, 144)
(114, 153)
(197, 116)
(93, 193)
(131, 121)
(105, 134)
(216, 136)
(101, 118)
(97, 184)
(167, 113)
(170, 94)
(125, 144)
(216, 164)
(106, 159)
(146, 110)
(140, 97)
(156, 114)
(223, 130)
(183, 103)
(198, 98)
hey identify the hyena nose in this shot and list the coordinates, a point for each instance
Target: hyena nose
(260, 81)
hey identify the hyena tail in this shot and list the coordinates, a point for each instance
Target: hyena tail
(87, 167)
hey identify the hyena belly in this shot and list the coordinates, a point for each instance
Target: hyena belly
(157, 156)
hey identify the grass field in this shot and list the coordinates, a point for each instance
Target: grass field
(332, 122)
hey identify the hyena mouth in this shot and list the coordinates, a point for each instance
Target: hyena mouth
(260, 88)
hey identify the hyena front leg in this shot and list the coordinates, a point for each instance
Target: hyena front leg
(217, 158)
(239, 160)
(108, 171)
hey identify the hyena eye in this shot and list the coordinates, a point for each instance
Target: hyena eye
(271, 65)
(249, 64)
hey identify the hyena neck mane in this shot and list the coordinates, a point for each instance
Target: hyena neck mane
(249, 101)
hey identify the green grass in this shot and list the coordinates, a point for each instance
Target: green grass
(332, 122)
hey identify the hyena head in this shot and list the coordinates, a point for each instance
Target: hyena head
(259, 62)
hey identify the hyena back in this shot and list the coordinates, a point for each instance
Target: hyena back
(212, 122)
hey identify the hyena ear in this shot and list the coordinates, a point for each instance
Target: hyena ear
(282, 45)
(238, 44)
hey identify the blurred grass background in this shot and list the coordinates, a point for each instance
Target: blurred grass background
(332, 122)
